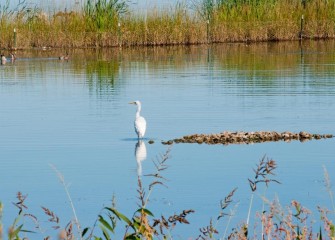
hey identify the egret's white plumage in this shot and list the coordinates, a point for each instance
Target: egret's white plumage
(140, 123)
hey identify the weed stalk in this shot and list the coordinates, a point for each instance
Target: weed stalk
(62, 180)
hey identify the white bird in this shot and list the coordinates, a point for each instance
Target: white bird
(140, 123)
(3, 60)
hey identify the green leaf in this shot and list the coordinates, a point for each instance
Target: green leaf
(146, 211)
(105, 232)
(16, 231)
(119, 215)
(332, 230)
(27, 231)
(84, 231)
(132, 237)
(136, 224)
(105, 224)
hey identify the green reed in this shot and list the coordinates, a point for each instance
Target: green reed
(103, 15)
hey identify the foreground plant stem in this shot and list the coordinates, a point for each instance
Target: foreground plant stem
(62, 180)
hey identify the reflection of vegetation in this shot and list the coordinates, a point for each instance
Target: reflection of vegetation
(256, 62)
(263, 64)
(101, 75)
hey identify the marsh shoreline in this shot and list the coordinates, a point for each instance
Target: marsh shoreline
(243, 21)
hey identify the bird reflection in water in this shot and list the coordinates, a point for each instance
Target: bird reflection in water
(140, 155)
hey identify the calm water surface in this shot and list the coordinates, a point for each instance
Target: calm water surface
(75, 116)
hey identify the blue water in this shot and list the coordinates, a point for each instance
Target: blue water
(75, 116)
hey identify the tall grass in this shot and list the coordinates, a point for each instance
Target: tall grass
(107, 23)
(103, 15)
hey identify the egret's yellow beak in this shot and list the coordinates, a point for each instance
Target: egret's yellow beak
(132, 102)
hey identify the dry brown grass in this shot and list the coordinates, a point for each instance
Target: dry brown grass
(267, 21)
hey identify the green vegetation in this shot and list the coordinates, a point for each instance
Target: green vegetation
(271, 222)
(108, 23)
(103, 15)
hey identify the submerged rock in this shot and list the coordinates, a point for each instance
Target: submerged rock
(246, 137)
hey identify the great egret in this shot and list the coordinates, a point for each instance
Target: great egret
(140, 123)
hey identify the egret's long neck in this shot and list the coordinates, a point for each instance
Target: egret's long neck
(138, 110)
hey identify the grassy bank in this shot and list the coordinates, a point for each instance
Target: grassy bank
(109, 23)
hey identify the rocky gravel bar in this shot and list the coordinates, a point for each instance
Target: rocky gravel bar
(247, 137)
